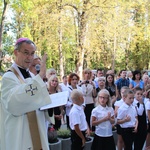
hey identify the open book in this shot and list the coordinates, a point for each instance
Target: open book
(57, 99)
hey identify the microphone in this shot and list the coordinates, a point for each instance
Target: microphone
(37, 68)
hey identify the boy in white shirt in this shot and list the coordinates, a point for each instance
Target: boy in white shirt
(127, 118)
(77, 121)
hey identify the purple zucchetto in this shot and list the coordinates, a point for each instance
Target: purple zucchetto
(21, 40)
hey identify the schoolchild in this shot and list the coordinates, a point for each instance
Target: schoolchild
(141, 134)
(102, 118)
(120, 143)
(77, 120)
(127, 118)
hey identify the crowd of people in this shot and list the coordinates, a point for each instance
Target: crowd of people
(99, 102)
(110, 103)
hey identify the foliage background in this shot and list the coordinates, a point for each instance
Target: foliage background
(80, 34)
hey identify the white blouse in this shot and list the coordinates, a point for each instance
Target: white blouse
(104, 129)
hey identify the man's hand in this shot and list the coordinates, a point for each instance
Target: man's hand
(42, 72)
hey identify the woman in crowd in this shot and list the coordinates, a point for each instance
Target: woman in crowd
(145, 79)
(73, 80)
(111, 87)
(136, 80)
(50, 72)
(101, 84)
(57, 112)
(89, 93)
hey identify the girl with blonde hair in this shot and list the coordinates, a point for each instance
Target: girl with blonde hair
(102, 118)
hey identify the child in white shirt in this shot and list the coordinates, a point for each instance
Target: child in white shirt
(77, 120)
(102, 118)
(127, 118)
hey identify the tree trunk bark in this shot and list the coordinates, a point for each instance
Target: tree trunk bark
(1, 30)
(60, 42)
(82, 36)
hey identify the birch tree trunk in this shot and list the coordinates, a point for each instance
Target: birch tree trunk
(82, 37)
(1, 29)
(60, 41)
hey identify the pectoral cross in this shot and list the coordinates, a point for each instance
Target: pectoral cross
(31, 89)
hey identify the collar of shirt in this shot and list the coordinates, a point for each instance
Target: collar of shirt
(78, 107)
(126, 105)
(135, 101)
(22, 68)
(103, 108)
(121, 100)
(24, 72)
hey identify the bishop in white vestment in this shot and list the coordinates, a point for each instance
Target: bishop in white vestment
(17, 99)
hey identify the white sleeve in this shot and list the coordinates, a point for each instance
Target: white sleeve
(121, 114)
(112, 112)
(148, 105)
(69, 102)
(116, 103)
(94, 113)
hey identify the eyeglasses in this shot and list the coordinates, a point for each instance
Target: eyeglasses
(25, 53)
(101, 80)
(101, 97)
